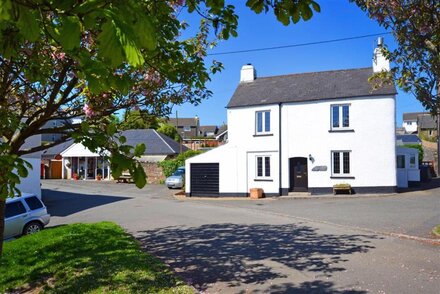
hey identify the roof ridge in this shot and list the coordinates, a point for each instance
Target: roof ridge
(159, 135)
(312, 72)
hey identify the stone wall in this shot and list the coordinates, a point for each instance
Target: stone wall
(154, 172)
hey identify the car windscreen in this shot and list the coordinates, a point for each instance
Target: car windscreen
(179, 172)
(33, 203)
(14, 208)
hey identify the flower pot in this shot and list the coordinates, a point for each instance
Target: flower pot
(256, 193)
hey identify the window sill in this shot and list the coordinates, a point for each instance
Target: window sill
(342, 177)
(262, 135)
(263, 180)
(341, 131)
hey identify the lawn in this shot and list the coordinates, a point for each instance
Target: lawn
(93, 258)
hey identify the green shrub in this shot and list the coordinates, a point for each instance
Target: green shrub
(418, 147)
(169, 166)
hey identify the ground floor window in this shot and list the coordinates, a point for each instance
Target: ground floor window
(341, 163)
(263, 166)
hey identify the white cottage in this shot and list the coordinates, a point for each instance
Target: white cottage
(303, 132)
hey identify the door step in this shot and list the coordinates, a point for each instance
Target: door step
(299, 194)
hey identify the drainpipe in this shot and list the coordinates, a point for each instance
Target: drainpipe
(279, 150)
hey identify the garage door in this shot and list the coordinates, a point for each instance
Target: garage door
(205, 179)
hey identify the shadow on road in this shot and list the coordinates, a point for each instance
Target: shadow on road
(254, 254)
(64, 203)
(434, 183)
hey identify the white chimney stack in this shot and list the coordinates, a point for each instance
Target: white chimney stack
(248, 73)
(380, 63)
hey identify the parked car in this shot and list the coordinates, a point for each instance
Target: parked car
(177, 179)
(24, 215)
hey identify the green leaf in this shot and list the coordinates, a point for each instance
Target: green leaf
(122, 139)
(22, 171)
(146, 33)
(5, 9)
(109, 45)
(139, 177)
(139, 150)
(256, 5)
(316, 6)
(28, 23)
(70, 32)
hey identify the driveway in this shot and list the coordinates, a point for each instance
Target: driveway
(276, 246)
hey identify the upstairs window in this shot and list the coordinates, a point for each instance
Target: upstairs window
(262, 122)
(340, 163)
(340, 116)
(263, 166)
(186, 128)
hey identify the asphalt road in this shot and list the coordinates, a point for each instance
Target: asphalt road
(277, 246)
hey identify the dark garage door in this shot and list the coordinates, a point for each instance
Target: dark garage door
(204, 179)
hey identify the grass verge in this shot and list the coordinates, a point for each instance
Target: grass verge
(436, 231)
(79, 258)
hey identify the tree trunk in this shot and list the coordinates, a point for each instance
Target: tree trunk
(2, 224)
(438, 129)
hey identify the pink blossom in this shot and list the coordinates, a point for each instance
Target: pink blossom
(88, 111)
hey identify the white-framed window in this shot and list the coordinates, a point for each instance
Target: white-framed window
(187, 128)
(340, 116)
(262, 122)
(263, 167)
(409, 123)
(341, 163)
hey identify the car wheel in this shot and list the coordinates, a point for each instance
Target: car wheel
(32, 228)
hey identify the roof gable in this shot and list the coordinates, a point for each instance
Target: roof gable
(155, 142)
(311, 86)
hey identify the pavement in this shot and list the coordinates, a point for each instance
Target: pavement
(283, 245)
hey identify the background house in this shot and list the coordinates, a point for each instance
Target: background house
(78, 159)
(208, 131)
(186, 127)
(51, 161)
(427, 126)
(410, 121)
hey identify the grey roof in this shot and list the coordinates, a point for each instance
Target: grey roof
(426, 121)
(207, 129)
(412, 116)
(156, 143)
(191, 122)
(55, 150)
(409, 139)
(311, 86)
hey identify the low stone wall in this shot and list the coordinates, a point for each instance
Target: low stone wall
(154, 172)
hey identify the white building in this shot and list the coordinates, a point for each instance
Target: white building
(410, 120)
(303, 132)
(32, 183)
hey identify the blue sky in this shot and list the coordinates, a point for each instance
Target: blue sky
(338, 19)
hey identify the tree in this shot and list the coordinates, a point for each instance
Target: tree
(90, 59)
(416, 27)
(135, 119)
(169, 131)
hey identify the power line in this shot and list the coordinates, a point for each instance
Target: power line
(298, 45)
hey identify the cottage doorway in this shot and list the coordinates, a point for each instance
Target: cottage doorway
(298, 174)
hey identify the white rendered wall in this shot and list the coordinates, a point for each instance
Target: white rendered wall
(237, 158)
(31, 184)
(410, 126)
(306, 128)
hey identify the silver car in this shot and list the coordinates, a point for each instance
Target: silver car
(177, 179)
(24, 215)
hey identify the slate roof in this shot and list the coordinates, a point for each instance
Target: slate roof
(408, 139)
(55, 150)
(208, 129)
(190, 122)
(156, 143)
(412, 116)
(307, 87)
(426, 121)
